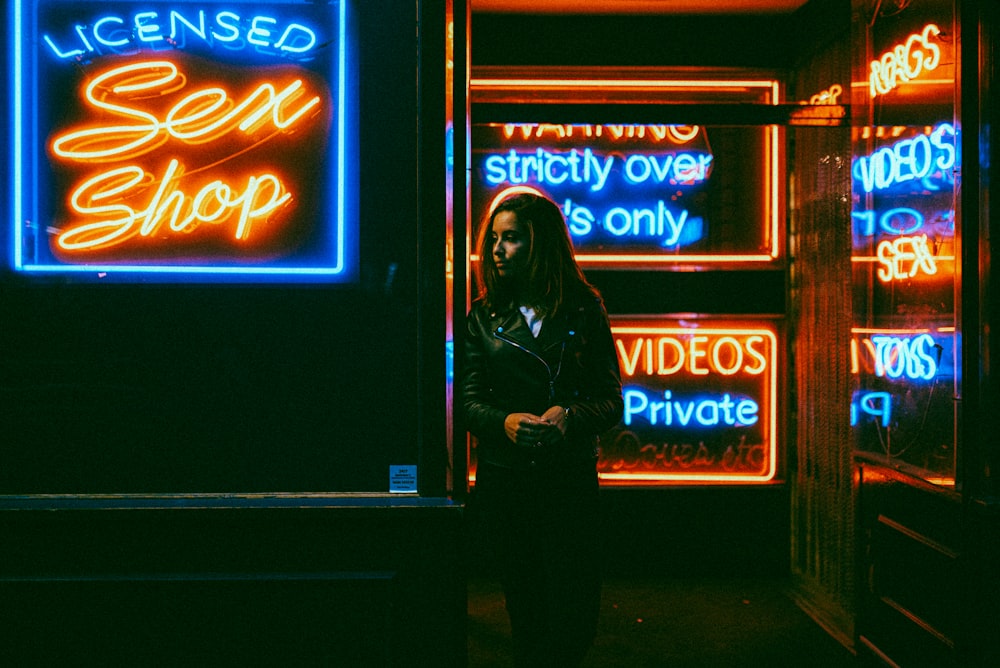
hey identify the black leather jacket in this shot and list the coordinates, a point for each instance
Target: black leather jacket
(572, 363)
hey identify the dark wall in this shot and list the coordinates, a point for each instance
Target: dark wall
(222, 582)
(209, 388)
(762, 41)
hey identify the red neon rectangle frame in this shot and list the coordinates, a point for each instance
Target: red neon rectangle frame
(513, 87)
(635, 326)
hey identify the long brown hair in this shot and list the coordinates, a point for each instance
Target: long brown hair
(553, 274)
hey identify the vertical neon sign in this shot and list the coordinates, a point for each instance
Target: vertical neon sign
(904, 351)
(203, 140)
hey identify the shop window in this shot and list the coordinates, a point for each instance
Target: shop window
(904, 348)
(650, 203)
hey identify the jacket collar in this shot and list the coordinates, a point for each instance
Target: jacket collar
(511, 325)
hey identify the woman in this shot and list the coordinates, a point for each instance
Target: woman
(541, 383)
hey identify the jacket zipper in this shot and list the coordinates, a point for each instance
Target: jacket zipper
(548, 369)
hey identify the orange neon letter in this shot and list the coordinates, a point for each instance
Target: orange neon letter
(678, 356)
(695, 352)
(629, 361)
(752, 342)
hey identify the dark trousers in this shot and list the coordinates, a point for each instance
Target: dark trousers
(542, 526)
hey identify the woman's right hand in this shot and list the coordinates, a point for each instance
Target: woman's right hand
(527, 430)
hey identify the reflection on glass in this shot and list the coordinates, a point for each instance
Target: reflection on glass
(904, 348)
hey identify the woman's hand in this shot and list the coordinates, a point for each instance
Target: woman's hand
(530, 431)
(558, 417)
(533, 431)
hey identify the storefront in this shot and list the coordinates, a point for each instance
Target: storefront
(237, 258)
(866, 454)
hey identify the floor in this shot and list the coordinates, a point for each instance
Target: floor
(681, 623)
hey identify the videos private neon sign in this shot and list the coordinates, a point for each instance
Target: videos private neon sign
(699, 405)
(198, 140)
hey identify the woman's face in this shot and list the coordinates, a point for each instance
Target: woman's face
(511, 245)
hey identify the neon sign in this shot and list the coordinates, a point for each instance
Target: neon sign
(172, 140)
(640, 193)
(897, 355)
(925, 161)
(113, 33)
(699, 405)
(876, 405)
(905, 241)
(905, 61)
(677, 134)
(905, 257)
(703, 411)
(215, 203)
(698, 355)
(912, 237)
(902, 220)
(588, 168)
(896, 368)
(829, 96)
(212, 116)
(210, 112)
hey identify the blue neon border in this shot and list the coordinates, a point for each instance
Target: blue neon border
(342, 271)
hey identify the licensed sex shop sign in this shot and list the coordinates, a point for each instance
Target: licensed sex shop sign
(206, 139)
(700, 404)
(652, 195)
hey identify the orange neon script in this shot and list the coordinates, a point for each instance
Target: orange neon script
(905, 61)
(199, 117)
(146, 105)
(216, 202)
(905, 257)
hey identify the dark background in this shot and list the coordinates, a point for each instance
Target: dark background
(232, 388)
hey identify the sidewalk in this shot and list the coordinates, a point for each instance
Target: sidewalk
(680, 623)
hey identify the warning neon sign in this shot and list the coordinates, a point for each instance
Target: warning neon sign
(641, 194)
